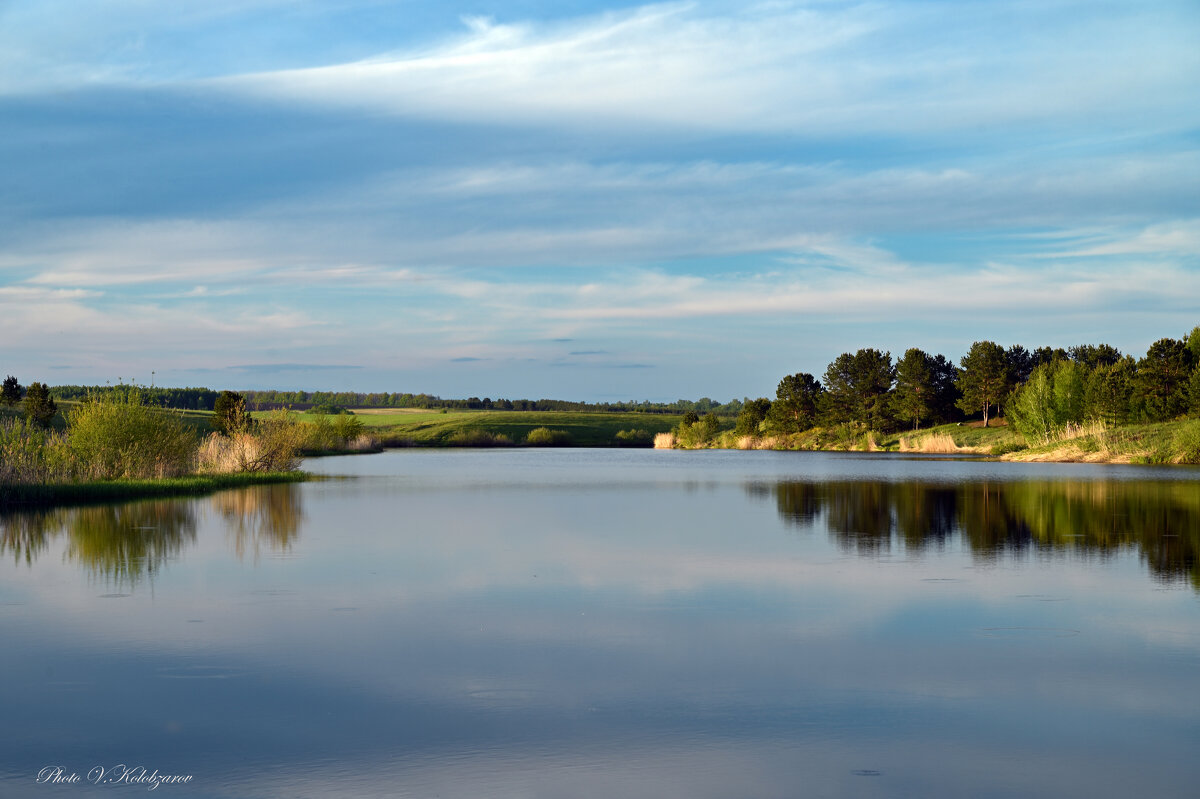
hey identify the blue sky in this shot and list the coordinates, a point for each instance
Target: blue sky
(585, 200)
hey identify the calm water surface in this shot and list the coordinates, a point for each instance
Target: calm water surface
(592, 623)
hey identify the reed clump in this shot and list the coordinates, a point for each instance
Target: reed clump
(936, 443)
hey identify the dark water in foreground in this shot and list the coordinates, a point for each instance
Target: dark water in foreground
(589, 623)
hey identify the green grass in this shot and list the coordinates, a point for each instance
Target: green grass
(1164, 442)
(437, 429)
(995, 439)
(111, 490)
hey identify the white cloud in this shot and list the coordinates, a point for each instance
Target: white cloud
(1178, 238)
(822, 68)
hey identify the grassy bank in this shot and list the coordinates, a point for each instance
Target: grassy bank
(511, 428)
(1176, 442)
(115, 490)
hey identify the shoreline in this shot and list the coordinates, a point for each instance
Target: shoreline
(41, 495)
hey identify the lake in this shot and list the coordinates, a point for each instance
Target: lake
(602, 623)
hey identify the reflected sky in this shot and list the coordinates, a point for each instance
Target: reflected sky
(599, 623)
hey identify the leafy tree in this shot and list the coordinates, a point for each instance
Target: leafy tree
(39, 405)
(1051, 399)
(796, 401)
(752, 415)
(10, 395)
(857, 387)
(984, 377)
(1162, 379)
(229, 413)
(913, 397)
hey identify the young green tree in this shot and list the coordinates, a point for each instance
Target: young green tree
(984, 378)
(1051, 399)
(10, 395)
(914, 393)
(1110, 389)
(229, 413)
(796, 401)
(751, 416)
(39, 405)
(1193, 345)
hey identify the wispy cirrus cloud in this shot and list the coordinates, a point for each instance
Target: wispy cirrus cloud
(771, 67)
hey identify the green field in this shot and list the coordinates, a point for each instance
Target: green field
(434, 428)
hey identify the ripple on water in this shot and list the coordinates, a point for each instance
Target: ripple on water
(199, 673)
(1028, 632)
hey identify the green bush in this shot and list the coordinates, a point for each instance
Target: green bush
(477, 438)
(545, 437)
(119, 436)
(635, 438)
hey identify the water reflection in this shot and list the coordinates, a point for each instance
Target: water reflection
(261, 518)
(126, 543)
(1160, 520)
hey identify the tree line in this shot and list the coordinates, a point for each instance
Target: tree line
(1038, 389)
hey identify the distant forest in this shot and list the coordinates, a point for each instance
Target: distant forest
(1044, 386)
(203, 399)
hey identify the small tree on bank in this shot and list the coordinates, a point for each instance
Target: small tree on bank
(913, 396)
(10, 395)
(229, 413)
(39, 405)
(984, 378)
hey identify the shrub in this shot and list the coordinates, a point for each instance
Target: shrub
(119, 436)
(545, 437)
(281, 439)
(634, 438)
(478, 438)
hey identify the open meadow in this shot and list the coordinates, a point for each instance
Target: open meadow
(435, 428)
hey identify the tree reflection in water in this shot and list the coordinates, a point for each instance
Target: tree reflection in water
(1158, 519)
(125, 543)
(262, 517)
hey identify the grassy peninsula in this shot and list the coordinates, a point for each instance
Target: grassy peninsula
(117, 446)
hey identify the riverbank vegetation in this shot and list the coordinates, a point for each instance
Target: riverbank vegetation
(1090, 402)
(119, 445)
